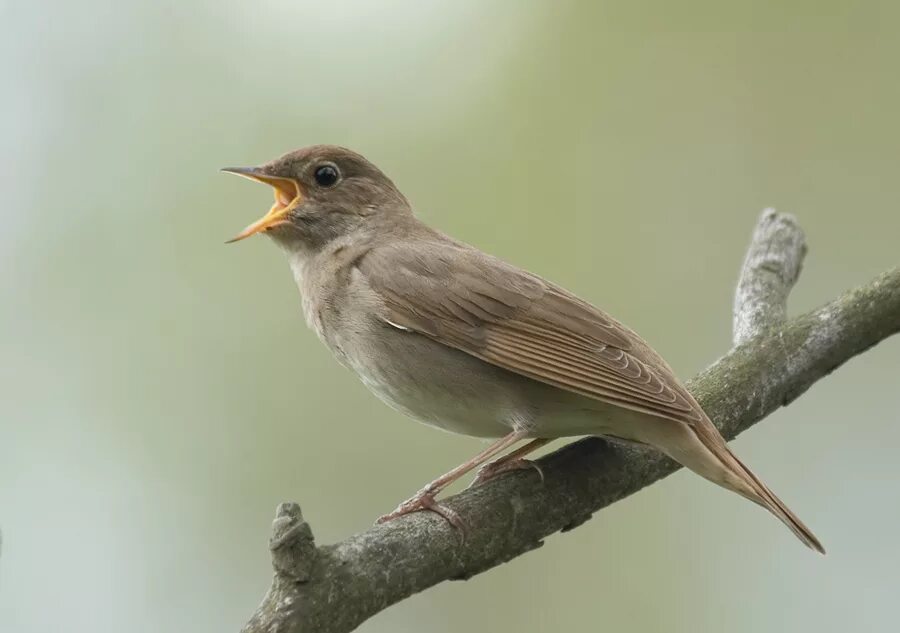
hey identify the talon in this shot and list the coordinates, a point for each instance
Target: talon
(424, 501)
(489, 471)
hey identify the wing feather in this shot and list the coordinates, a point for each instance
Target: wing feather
(465, 299)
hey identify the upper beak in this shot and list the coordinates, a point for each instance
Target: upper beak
(287, 196)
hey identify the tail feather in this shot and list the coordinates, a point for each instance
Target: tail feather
(762, 495)
(700, 447)
(721, 466)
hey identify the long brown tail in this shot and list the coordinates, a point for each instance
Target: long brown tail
(760, 493)
(713, 459)
(739, 478)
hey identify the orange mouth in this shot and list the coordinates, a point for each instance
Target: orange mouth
(287, 197)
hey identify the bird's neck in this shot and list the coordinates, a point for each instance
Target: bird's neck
(327, 258)
(308, 263)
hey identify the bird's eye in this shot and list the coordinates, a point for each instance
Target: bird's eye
(326, 175)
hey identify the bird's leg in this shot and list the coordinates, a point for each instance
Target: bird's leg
(512, 461)
(424, 499)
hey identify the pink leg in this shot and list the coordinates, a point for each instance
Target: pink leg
(511, 461)
(424, 499)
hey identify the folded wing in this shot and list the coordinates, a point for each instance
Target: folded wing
(515, 320)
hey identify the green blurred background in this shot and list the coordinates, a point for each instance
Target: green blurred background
(161, 394)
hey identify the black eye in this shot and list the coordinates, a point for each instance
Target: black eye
(326, 175)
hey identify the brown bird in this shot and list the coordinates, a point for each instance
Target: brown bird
(461, 340)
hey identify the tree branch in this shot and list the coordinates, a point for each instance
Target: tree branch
(334, 588)
(770, 270)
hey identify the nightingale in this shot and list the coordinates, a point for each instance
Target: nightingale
(466, 342)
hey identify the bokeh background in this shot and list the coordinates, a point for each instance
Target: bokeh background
(160, 392)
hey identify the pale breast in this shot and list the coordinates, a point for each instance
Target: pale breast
(320, 298)
(426, 380)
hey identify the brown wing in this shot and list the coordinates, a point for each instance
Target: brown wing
(478, 304)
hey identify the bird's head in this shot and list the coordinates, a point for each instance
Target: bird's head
(322, 192)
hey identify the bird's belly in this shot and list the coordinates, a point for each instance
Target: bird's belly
(438, 385)
(456, 415)
(457, 392)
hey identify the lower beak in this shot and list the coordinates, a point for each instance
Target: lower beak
(287, 197)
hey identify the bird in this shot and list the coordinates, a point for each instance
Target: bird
(466, 342)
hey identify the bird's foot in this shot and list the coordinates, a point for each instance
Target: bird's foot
(489, 471)
(424, 500)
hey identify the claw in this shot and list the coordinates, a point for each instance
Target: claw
(489, 471)
(424, 501)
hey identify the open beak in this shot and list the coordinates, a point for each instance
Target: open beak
(287, 197)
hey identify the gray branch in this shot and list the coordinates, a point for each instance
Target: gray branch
(770, 270)
(334, 588)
